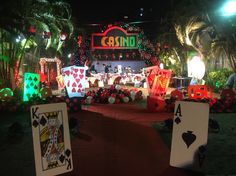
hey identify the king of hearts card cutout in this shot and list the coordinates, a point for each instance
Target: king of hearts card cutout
(51, 139)
(189, 135)
(74, 80)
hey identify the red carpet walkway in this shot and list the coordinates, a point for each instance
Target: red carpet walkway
(118, 140)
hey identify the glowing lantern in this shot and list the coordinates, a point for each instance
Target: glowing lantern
(5, 94)
(196, 68)
(45, 92)
(31, 85)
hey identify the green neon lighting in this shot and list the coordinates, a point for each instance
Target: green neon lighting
(31, 85)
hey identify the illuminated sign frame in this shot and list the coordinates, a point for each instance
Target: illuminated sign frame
(115, 39)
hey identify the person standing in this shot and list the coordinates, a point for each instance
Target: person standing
(231, 81)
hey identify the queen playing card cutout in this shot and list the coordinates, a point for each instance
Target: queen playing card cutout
(189, 135)
(51, 139)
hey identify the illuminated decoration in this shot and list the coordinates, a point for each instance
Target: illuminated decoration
(177, 95)
(46, 35)
(199, 92)
(79, 40)
(74, 80)
(196, 68)
(157, 80)
(63, 37)
(60, 82)
(114, 38)
(45, 92)
(6, 94)
(157, 83)
(45, 69)
(155, 104)
(32, 30)
(31, 85)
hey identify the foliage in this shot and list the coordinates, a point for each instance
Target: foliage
(171, 61)
(32, 27)
(217, 79)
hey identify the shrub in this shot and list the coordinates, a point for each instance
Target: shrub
(217, 79)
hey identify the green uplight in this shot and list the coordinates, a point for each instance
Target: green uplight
(229, 8)
(31, 85)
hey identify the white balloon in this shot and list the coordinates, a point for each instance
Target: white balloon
(89, 100)
(118, 87)
(132, 95)
(111, 100)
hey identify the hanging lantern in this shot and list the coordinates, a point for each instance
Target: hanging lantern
(46, 35)
(63, 37)
(32, 30)
(79, 40)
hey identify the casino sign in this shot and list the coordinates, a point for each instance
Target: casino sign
(114, 38)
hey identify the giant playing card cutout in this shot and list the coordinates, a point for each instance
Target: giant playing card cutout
(157, 81)
(74, 80)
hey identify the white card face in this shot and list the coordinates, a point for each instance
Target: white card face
(51, 138)
(74, 80)
(189, 136)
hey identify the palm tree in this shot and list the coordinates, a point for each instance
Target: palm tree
(22, 27)
(210, 39)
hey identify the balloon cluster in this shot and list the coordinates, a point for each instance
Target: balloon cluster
(223, 104)
(112, 95)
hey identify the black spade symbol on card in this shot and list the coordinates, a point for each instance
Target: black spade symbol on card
(188, 138)
(177, 120)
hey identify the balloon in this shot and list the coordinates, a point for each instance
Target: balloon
(132, 95)
(125, 99)
(118, 87)
(88, 100)
(111, 100)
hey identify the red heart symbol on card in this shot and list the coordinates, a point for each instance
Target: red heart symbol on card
(76, 70)
(68, 83)
(79, 90)
(67, 72)
(74, 85)
(75, 75)
(73, 90)
(80, 85)
(82, 89)
(77, 80)
(81, 76)
(81, 71)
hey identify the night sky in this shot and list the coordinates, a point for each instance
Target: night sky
(114, 11)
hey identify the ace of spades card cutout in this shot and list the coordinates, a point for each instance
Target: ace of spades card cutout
(51, 139)
(74, 79)
(189, 135)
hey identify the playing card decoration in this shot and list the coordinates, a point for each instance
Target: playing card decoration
(60, 81)
(157, 83)
(31, 85)
(74, 80)
(190, 131)
(51, 139)
(188, 138)
(157, 80)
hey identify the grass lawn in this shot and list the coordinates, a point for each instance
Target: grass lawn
(221, 147)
